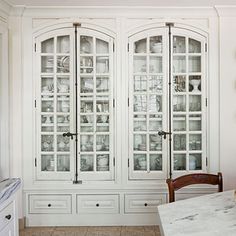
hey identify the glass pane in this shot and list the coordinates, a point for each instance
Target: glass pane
(102, 104)
(179, 122)
(195, 122)
(155, 84)
(155, 125)
(140, 162)
(86, 65)
(155, 103)
(155, 162)
(47, 123)
(194, 46)
(140, 103)
(140, 64)
(179, 103)
(47, 86)
(47, 106)
(102, 123)
(103, 162)
(63, 64)
(102, 84)
(63, 143)
(102, 47)
(195, 83)
(63, 44)
(140, 46)
(195, 142)
(86, 143)
(179, 45)
(194, 64)
(155, 142)
(47, 46)
(63, 163)
(86, 123)
(140, 142)
(47, 143)
(63, 84)
(140, 83)
(195, 161)
(86, 163)
(103, 119)
(47, 63)
(102, 143)
(63, 123)
(102, 65)
(63, 106)
(180, 83)
(86, 44)
(155, 64)
(179, 64)
(86, 106)
(179, 142)
(195, 103)
(156, 44)
(86, 84)
(140, 125)
(179, 161)
(47, 163)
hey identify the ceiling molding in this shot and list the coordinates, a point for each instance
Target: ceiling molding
(111, 12)
(5, 9)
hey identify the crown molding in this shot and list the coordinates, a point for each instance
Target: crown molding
(5, 9)
(226, 11)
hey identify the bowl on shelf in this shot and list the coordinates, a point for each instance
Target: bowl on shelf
(154, 138)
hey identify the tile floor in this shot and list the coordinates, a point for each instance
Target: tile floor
(92, 231)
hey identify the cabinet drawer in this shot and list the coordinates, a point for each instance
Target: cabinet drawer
(143, 203)
(98, 204)
(49, 204)
(6, 216)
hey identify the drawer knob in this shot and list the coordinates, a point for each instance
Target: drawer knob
(49, 205)
(8, 217)
(97, 205)
(145, 204)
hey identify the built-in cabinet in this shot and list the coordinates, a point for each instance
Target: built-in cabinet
(119, 110)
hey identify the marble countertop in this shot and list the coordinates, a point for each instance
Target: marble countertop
(208, 215)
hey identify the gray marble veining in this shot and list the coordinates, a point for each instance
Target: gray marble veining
(208, 215)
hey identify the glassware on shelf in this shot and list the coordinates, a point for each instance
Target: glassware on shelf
(195, 122)
(156, 44)
(195, 103)
(86, 43)
(47, 63)
(195, 83)
(140, 46)
(195, 161)
(180, 83)
(47, 163)
(154, 104)
(63, 163)
(102, 84)
(194, 46)
(63, 64)
(86, 163)
(102, 65)
(140, 83)
(102, 162)
(180, 142)
(140, 103)
(102, 47)
(179, 44)
(86, 84)
(179, 161)
(155, 64)
(155, 162)
(140, 142)
(140, 162)
(47, 119)
(47, 143)
(179, 103)
(179, 122)
(63, 44)
(86, 64)
(140, 64)
(155, 83)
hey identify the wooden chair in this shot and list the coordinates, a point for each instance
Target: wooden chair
(198, 178)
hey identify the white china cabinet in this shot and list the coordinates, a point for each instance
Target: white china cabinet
(116, 113)
(56, 113)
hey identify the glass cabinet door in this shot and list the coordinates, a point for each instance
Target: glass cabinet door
(54, 110)
(149, 155)
(146, 108)
(95, 107)
(187, 104)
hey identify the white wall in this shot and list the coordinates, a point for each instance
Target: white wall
(228, 98)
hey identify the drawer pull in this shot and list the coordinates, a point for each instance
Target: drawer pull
(145, 204)
(49, 205)
(97, 205)
(8, 217)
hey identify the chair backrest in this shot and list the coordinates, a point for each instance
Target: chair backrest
(198, 178)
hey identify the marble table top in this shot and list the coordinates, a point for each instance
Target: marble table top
(208, 215)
